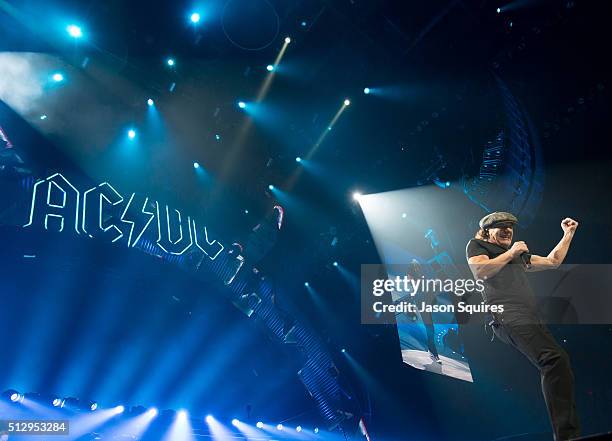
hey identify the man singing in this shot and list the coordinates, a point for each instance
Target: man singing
(502, 264)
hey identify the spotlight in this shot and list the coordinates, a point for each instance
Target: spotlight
(16, 396)
(287, 40)
(58, 77)
(182, 414)
(357, 196)
(298, 429)
(131, 133)
(298, 159)
(150, 102)
(499, 10)
(153, 411)
(270, 187)
(306, 284)
(93, 406)
(170, 61)
(196, 165)
(303, 24)
(57, 402)
(259, 425)
(241, 104)
(404, 215)
(347, 102)
(195, 17)
(209, 419)
(235, 422)
(43, 117)
(270, 67)
(316, 430)
(335, 263)
(279, 427)
(120, 409)
(218, 137)
(74, 31)
(366, 90)
(447, 183)
(343, 351)
(246, 211)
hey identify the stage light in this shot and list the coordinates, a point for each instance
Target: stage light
(335, 263)
(43, 117)
(131, 133)
(316, 430)
(447, 184)
(150, 102)
(298, 429)
(246, 211)
(298, 159)
(218, 137)
(153, 411)
(343, 351)
(74, 31)
(270, 187)
(270, 67)
(499, 10)
(93, 406)
(235, 422)
(182, 414)
(357, 196)
(259, 425)
(170, 61)
(241, 104)
(195, 17)
(209, 419)
(57, 402)
(196, 165)
(303, 24)
(306, 284)
(404, 215)
(15, 396)
(279, 427)
(119, 409)
(366, 90)
(58, 77)
(347, 102)
(287, 40)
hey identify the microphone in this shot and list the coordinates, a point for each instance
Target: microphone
(526, 259)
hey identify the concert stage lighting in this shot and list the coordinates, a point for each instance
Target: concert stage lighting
(306, 284)
(119, 409)
(303, 24)
(196, 165)
(93, 406)
(316, 430)
(209, 419)
(404, 215)
(343, 351)
(218, 137)
(270, 67)
(195, 17)
(298, 429)
(58, 77)
(335, 264)
(131, 133)
(366, 90)
(153, 411)
(170, 62)
(298, 159)
(16, 397)
(43, 117)
(347, 102)
(74, 31)
(235, 422)
(279, 427)
(287, 40)
(150, 102)
(499, 10)
(259, 425)
(357, 196)
(241, 104)
(57, 402)
(270, 187)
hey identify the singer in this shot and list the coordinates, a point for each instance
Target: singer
(502, 265)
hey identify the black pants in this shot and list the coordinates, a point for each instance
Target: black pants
(534, 340)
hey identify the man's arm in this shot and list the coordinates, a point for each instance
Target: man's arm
(557, 255)
(483, 267)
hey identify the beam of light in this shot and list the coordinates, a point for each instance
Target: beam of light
(195, 17)
(170, 62)
(329, 127)
(181, 429)
(242, 104)
(150, 102)
(366, 90)
(131, 133)
(196, 165)
(270, 67)
(298, 159)
(74, 31)
(357, 196)
(58, 77)
(219, 431)
(250, 432)
(134, 427)
(87, 422)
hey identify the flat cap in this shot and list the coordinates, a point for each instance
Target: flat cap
(497, 217)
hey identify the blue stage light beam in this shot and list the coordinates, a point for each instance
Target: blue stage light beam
(150, 102)
(195, 17)
(219, 431)
(131, 133)
(133, 427)
(87, 422)
(242, 104)
(58, 77)
(366, 90)
(181, 429)
(74, 31)
(346, 103)
(170, 62)
(249, 431)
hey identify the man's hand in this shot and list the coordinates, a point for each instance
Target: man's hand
(569, 225)
(518, 248)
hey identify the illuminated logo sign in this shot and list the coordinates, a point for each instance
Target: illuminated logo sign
(102, 212)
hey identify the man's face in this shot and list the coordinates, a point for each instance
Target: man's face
(501, 235)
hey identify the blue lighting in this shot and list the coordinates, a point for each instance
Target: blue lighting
(235, 422)
(270, 67)
(447, 184)
(298, 429)
(43, 116)
(303, 24)
(316, 430)
(335, 263)
(366, 90)
(270, 187)
(259, 425)
(170, 61)
(279, 427)
(93, 406)
(131, 133)
(195, 17)
(209, 419)
(498, 10)
(246, 211)
(343, 351)
(287, 40)
(150, 102)
(241, 104)
(15, 397)
(196, 165)
(298, 159)
(218, 137)
(306, 284)
(182, 414)
(58, 77)
(74, 31)
(57, 402)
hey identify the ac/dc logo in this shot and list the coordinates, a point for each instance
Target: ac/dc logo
(102, 212)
